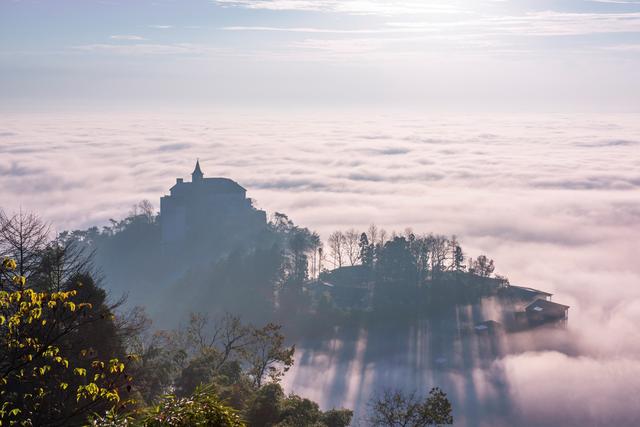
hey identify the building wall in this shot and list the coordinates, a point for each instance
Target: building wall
(191, 209)
(173, 220)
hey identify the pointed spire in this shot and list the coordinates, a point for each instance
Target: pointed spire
(197, 174)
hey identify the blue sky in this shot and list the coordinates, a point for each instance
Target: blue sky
(540, 55)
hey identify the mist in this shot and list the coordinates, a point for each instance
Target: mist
(553, 199)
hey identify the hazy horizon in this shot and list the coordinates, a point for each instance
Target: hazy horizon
(453, 55)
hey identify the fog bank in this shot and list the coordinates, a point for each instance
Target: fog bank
(555, 200)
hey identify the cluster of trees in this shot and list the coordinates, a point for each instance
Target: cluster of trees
(397, 408)
(67, 354)
(130, 254)
(430, 254)
(425, 271)
(62, 351)
(224, 360)
(206, 350)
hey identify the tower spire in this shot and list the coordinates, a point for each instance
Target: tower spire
(197, 174)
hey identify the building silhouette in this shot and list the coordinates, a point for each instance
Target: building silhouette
(205, 206)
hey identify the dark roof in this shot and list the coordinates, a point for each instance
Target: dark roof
(524, 292)
(212, 185)
(223, 185)
(546, 308)
(351, 276)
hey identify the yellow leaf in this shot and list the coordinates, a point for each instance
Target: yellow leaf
(19, 280)
(9, 264)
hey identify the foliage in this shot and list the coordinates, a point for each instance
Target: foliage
(416, 274)
(270, 407)
(23, 237)
(44, 381)
(482, 266)
(397, 409)
(202, 408)
(366, 251)
(266, 354)
(264, 407)
(62, 351)
(237, 357)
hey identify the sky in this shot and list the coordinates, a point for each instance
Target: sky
(442, 55)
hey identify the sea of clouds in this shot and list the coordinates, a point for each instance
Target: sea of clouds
(554, 199)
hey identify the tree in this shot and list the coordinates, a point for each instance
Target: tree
(23, 238)
(336, 245)
(224, 336)
(212, 344)
(372, 234)
(59, 262)
(48, 376)
(300, 242)
(337, 417)
(266, 354)
(438, 253)
(396, 263)
(366, 251)
(420, 251)
(281, 223)
(159, 362)
(482, 266)
(146, 211)
(297, 411)
(397, 409)
(202, 408)
(210, 347)
(264, 408)
(352, 246)
(270, 407)
(458, 258)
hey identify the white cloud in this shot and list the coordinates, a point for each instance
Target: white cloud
(126, 37)
(364, 7)
(146, 49)
(478, 177)
(492, 33)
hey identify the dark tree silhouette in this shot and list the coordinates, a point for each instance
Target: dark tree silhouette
(23, 237)
(398, 409)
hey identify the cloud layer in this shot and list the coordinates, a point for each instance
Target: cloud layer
(555, 200)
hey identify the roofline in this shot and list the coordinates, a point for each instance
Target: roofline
(547, 302)
(183, 183)
(227, 179)
(525, 288)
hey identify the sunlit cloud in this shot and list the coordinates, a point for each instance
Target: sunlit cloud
(364, 7)
(554, 199)
(126, 37)
(146, 49)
